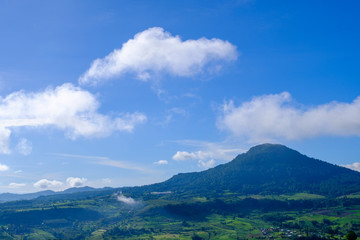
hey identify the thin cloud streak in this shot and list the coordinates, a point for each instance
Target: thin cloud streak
(105, 161)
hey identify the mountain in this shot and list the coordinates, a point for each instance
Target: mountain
(266, 169)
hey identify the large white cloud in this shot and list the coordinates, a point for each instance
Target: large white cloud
(65, 107)
(75, 181)
(275, 116)
(45, 183)
(155, 51)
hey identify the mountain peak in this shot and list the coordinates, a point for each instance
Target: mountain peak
(267, 147)
(270, 148)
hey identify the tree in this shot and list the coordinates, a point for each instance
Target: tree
(351, 235)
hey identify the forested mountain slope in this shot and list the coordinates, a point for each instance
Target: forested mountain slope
(267, 169)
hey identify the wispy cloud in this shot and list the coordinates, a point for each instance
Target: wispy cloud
(24, 147)
(124, 165)
(65, 107)
(154, 51)
(171, 115)
(270, 117)
(17, 185)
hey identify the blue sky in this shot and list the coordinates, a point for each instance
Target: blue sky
(123, 93)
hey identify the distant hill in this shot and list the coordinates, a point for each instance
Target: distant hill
(267, 169)
(6, 197)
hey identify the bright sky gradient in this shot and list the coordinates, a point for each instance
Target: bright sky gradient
(124, 93)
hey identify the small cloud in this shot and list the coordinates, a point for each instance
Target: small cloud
(3, 167)
(183, 155)
(18, 171)
(106, 181)
(75, 181)
(204, 158)
(127, 200)
(17, 185)
(154, 52)
(206, 164)
(161, 162)
(210, 153)
(355, 166)
(45, 184)
(24, 147)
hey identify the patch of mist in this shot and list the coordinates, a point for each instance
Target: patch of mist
(127, 200)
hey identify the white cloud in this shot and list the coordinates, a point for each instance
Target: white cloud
(183, 155)
(24, 147)
(206, 164)
(271, 117)
(355, 166)
(210, 152)
(200, 156)
(106, 181)
(65, 107)
(155, 51)
(17, 185)
(3, 167)
(127, 200)
(161, 162)
(45, 183)
(75, 181)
